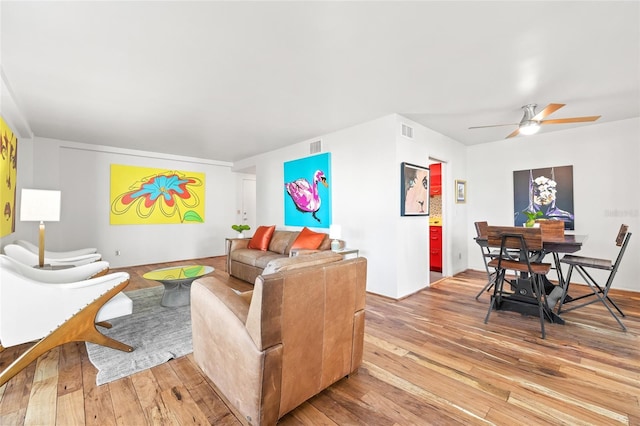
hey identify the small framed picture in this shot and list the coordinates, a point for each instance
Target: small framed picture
(461, 191)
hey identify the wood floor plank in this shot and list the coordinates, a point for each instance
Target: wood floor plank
(44, 391)
(151, 403)
(445, 403)
(182, 406)
(69, 376)
(553, 409)
(337, 413)
(70, 408)
(307, 414)
(98, 405)
(203, 395)
(428, 357)
(175, 396)
(15, 400)
(395, 411)
(126, 407)
(413, 403)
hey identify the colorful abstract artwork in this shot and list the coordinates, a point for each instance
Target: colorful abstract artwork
(9, 174)
(142, 195)
(546, 193)
(307, 191)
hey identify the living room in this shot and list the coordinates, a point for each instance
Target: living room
(367, 151)
(366, 156)
(395, 244)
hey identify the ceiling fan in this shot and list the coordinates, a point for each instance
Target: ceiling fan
(531, 121)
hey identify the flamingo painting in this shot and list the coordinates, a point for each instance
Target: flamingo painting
(305, 195)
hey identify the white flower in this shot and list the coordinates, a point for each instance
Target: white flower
(544, 191)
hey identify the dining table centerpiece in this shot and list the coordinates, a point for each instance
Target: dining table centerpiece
(531, 218)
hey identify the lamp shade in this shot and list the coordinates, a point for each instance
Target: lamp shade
(335, 232)
(40, 205)
(529, 128)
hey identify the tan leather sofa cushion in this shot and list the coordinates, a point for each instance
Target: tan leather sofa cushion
(301, 261)
(253, 257)
(281, 240)
(326, 243)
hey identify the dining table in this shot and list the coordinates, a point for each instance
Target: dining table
(555, 245)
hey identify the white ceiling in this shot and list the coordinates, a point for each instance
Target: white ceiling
(227, 80)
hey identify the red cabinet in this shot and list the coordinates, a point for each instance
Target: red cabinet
(435, 248)
(435, 170)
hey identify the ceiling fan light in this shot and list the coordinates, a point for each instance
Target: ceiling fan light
(529, 128)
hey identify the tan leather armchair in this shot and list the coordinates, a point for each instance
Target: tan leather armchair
(300, 331)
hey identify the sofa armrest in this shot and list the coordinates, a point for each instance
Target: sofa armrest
(301, 252)
(234, 302)
(264, 319)
(238, 243)
(235, 244)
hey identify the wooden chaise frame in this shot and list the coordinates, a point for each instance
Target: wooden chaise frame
(79, 328)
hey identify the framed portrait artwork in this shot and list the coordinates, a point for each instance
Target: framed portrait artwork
(546, 193)
(461, 191)
(414, 190)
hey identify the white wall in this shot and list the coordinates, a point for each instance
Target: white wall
(452, 154)
(24, 180)
(366, 197)
(16, 121)
(363, 188)
(82, 173)
(412, 232)
(606, 173)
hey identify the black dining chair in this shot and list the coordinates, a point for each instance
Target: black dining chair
(487, 255)
(528, 293)
(599, 291)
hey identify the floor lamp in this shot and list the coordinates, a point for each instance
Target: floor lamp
(40, 205)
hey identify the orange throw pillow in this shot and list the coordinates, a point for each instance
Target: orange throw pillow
(307, 239)
(262, 237)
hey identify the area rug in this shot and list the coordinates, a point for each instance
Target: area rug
(156, 333)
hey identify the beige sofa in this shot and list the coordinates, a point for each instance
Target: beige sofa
(300, 330)
(247, 264)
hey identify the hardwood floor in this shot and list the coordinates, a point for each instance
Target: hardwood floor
(429, 359)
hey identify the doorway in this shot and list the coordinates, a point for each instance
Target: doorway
(249, 202)
(436, 221)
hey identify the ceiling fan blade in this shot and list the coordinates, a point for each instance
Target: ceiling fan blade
(548, 110)
(516, 132)
(571, 120)
(493, 125)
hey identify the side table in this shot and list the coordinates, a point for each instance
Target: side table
(348, 253)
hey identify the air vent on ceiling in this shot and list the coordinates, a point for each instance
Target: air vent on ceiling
(407, 131)
(315, 147)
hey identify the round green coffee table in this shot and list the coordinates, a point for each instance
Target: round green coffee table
(177, 282)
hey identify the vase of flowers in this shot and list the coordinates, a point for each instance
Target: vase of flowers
(240, 229)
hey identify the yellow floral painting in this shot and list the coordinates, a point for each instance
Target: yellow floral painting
(143, 195)
(9, 174)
